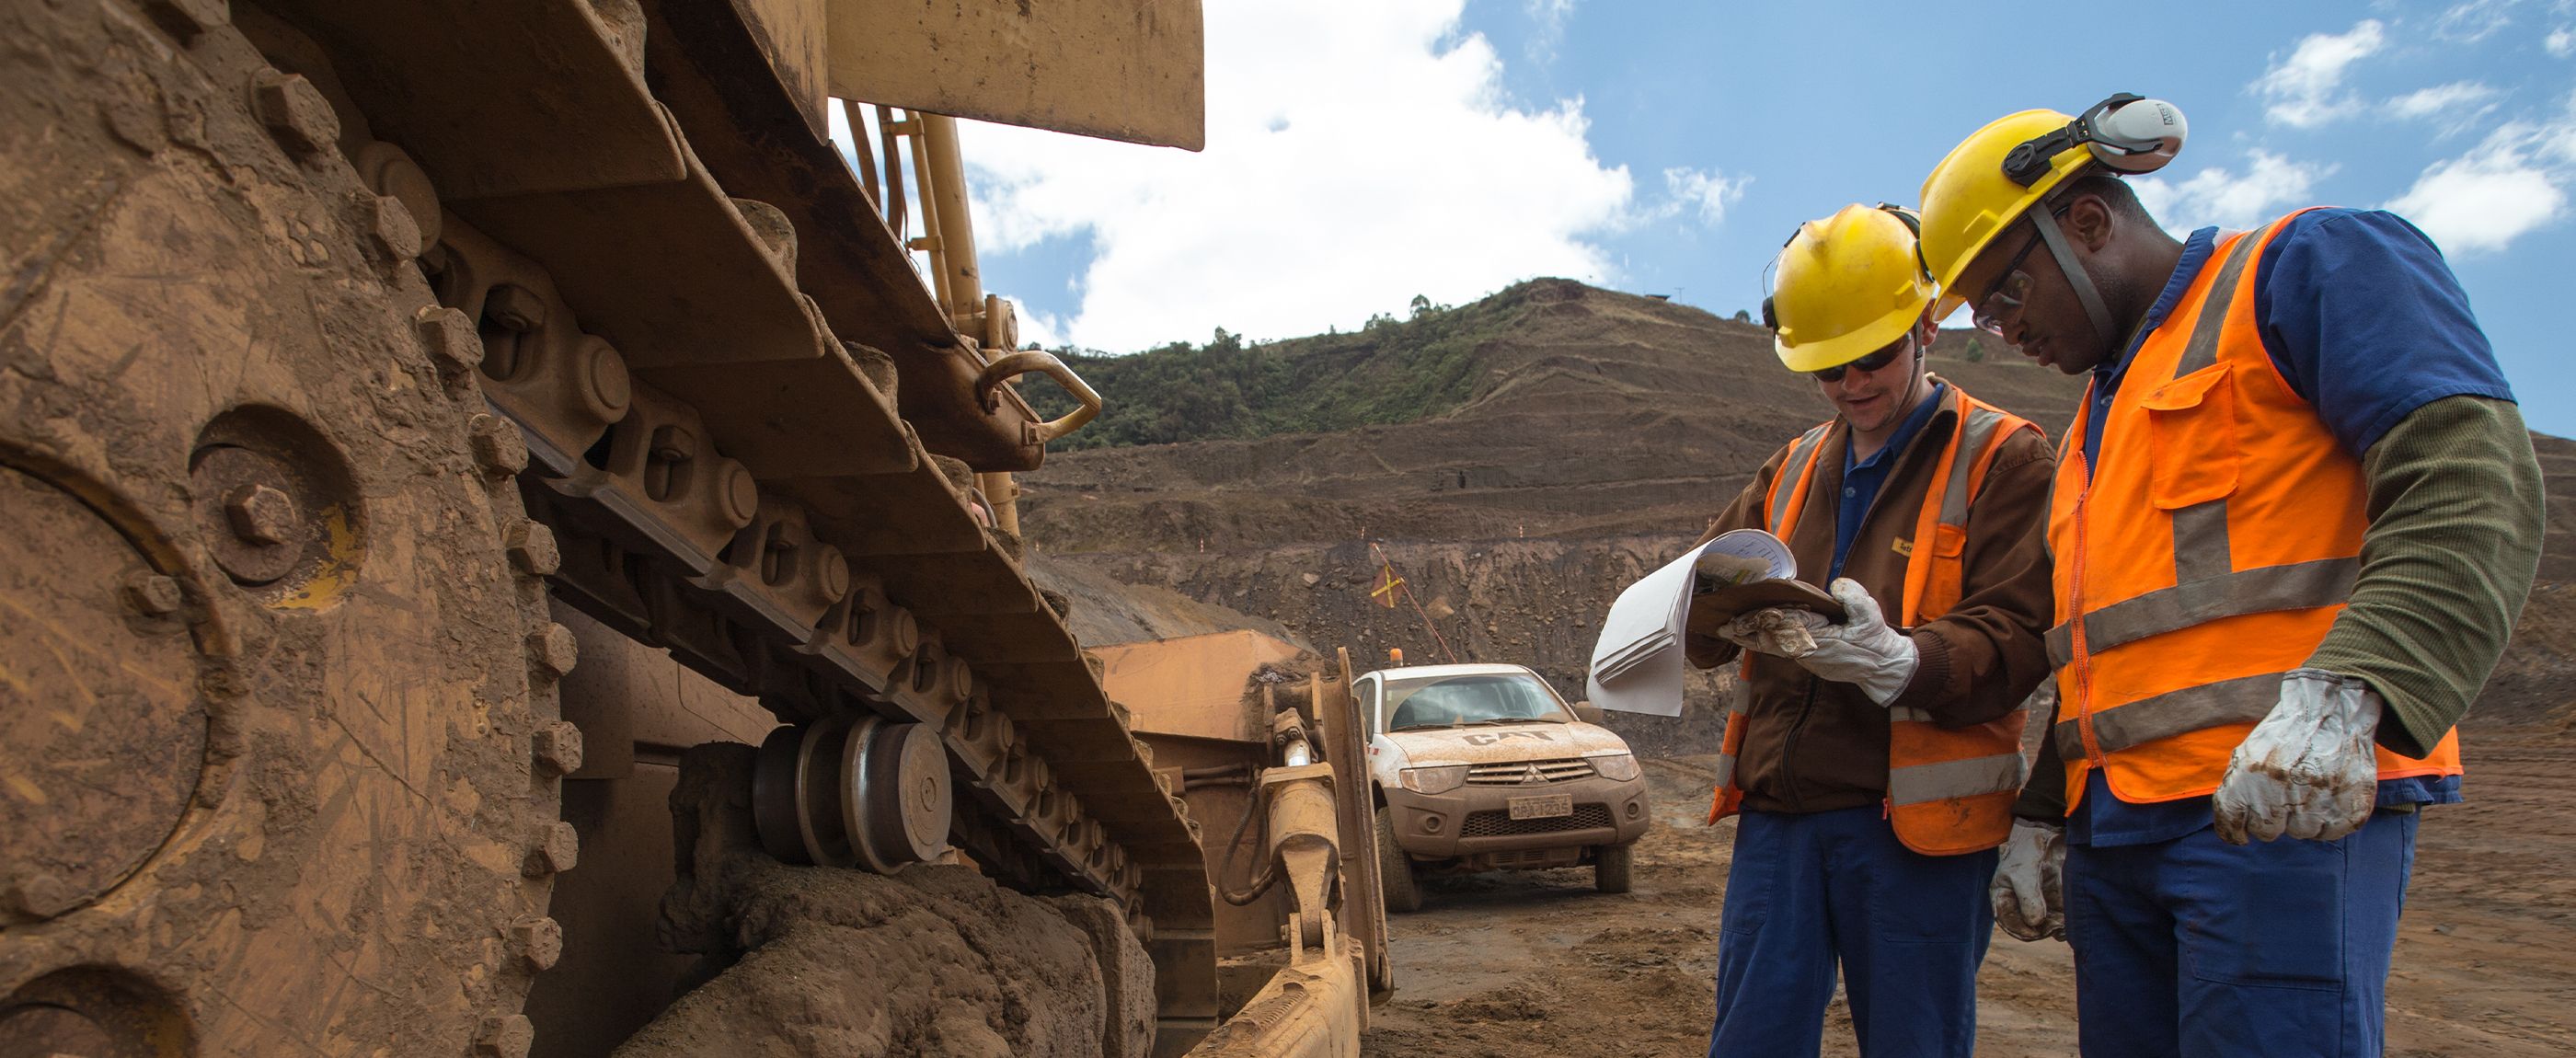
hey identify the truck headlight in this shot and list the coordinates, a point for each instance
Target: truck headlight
(1442, 779)
(1619, 766)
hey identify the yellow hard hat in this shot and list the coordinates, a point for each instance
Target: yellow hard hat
(1994, 176)
(1968, 199)
(1849, 285)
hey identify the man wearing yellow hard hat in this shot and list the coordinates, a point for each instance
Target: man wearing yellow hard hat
(1875, 761)
(2293, 524)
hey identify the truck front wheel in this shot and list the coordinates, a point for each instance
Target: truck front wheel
(1403, 890)
(1610, 868)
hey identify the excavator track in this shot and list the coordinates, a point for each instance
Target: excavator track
(616, 391)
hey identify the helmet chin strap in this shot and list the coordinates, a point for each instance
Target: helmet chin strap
(2076, 277)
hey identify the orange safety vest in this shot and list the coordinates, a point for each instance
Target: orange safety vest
(1949, 790)
(2204, 561)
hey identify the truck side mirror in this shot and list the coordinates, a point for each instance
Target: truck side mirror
(1589, 713)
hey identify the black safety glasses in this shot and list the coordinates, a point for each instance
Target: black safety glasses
(1866, 364)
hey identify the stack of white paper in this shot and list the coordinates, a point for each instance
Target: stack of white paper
(1637, 664)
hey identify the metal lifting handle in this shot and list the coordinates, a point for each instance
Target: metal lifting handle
(988, 385)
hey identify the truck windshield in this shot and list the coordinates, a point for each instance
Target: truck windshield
(1461, 700)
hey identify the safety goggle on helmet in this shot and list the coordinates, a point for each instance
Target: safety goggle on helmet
(1994, 177)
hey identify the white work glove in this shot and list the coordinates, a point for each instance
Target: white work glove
(2308, 769)
(1862, 650)
(1776, 630)
(2030, 881)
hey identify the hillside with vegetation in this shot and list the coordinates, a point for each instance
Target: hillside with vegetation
(1389, 371)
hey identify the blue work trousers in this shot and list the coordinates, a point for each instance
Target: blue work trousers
(2201, 949)
(1807, 891)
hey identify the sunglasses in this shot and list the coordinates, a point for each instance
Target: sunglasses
(2001, 305)
(1864, 365)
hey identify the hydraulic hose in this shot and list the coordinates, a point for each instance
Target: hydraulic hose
(1255, 805)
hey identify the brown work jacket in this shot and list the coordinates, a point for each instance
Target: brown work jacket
(1811, 745)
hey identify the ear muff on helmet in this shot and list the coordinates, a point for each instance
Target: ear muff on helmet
(1770, 319)
(2128, 133)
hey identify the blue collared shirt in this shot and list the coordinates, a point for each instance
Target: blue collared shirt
(1861, 480)
(2366, 323)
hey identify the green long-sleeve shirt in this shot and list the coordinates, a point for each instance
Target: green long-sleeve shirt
(2456, 518)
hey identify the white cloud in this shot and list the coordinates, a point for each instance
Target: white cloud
(2442, 99)
(2512, 183)
(2454, 107)
(1547, 29)
(2305, 90)
(1703, 194)
(1352, 162)
(2473, 20)
(2561, 42)
(2270, 185)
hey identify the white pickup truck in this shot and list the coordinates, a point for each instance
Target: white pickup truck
(1478, 767)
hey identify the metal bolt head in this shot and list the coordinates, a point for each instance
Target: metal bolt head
(558, 747)
(553, 650)
(260, 514)
(532, 548)
(294, 111)
(391, 227)
(831, 573)
(515, 307)
(505, 1037)
(538, 940)
(739, 493)
(38, 894)
(152, 594)
(557, 849)
(450, 338)
(498, 446)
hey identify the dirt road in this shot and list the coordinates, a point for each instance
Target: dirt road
(1538, 963)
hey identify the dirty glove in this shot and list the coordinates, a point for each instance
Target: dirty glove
(1775, 630)
(1862, 650)
(2308, 769)
(2030, 889)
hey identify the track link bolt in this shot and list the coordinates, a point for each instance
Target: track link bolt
(554, 650)
(499, 448)
(294, 111)
(451, 340)
(152, 594)
(185, 19)
(515, 307)
(391, 227)
(505, 1037)
(538, 940)
(558, 849)
(558, 747)
(260, 514)
(532, 548)
(38, 894)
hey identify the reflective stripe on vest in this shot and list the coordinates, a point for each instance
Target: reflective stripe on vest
(2208, 444)
(1955, 803)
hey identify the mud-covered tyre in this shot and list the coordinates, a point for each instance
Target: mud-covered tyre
(1610, 868)
(281, 664)
(1395, 869)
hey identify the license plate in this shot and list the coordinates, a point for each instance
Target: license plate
(1543, 806)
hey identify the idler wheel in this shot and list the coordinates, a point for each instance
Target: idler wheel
(846, 792)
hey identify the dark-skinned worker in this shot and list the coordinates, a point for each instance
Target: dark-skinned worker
(1875, 775)
(2294, 522)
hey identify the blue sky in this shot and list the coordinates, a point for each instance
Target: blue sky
(1364, 151)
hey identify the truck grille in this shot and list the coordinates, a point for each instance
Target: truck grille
(1525, 772)
(1501, 824)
